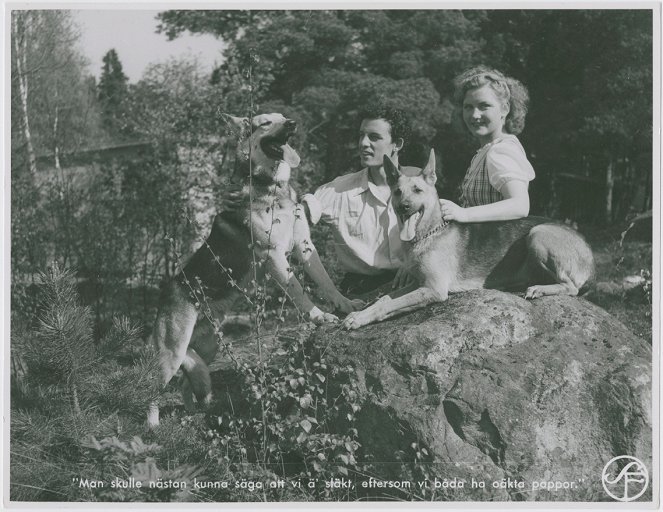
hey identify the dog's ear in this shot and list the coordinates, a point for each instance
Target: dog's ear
(429, 170)
(237, 125)
(390, 170)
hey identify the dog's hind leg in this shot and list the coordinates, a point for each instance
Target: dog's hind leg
(557, 254)
(171, 335)
(187, 395)
(540, 290)
(197, 380)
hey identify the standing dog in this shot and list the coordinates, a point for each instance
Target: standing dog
(270, 222)
(533, 253)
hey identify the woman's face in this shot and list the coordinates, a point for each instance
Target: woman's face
(484, 113)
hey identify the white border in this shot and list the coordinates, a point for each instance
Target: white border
(5, 227)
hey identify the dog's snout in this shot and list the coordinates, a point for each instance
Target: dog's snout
(290, 123)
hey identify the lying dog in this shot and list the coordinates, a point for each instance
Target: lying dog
(533, 253)
(271, 222)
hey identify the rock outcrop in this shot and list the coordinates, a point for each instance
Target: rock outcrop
(499, 389)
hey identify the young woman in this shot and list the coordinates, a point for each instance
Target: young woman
(493, 108)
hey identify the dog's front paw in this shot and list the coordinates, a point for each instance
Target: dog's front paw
(355, 320)
(534, 292)
(317, 316)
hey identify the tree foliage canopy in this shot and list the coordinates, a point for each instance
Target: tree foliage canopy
(589, 73)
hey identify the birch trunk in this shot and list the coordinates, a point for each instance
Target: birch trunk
(21, 25)
(56, 145)
(609, 185)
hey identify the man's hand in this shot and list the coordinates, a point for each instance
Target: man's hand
(231, 197)
(451, 211)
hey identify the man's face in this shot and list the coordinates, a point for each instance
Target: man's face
(375, 142)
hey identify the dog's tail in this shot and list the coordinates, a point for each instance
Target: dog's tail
(198, 381)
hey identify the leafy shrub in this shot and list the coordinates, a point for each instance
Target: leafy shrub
(131, 464)
(289, 423)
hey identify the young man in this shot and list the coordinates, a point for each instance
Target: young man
(358, 208)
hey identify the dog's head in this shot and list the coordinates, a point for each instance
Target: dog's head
(264, 139)
(412, 191)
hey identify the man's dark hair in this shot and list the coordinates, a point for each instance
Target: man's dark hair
(398, 121)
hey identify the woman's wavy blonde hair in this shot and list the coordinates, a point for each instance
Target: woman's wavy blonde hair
(509, 90)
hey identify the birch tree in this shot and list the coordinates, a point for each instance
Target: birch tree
(53, 108)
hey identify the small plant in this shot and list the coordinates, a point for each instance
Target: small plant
(63, 349)
(129, 472)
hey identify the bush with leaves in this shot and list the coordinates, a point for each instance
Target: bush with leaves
(134, 470)
(293, 421)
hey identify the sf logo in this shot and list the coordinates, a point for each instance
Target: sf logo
(625, 478)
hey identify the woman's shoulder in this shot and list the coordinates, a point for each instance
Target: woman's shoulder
(506, 144)
(507, 157)
(507, 148)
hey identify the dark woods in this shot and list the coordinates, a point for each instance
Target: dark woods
(589, 74)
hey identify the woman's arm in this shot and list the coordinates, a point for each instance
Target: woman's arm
(515, 205)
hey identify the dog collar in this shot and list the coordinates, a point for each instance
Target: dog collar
(430, 233)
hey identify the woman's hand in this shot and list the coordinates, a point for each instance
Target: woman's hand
(451, 211)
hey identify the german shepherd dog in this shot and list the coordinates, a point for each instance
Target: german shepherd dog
(535, 254)
(271, 222)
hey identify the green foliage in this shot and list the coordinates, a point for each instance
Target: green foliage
(127, 390)
(108, 223)
(63, 348)
(294, 422)
(70, 386)
(112, 93)
(174, 105)
(591, 94)
(112, 460)
(590, 101)
(30, 239)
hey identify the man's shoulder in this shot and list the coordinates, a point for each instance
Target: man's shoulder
(347, 182)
